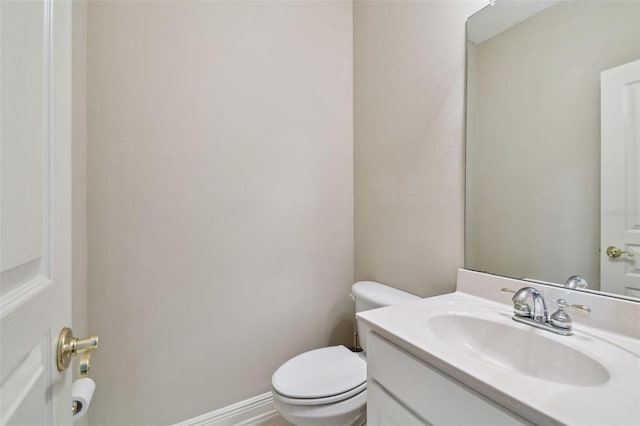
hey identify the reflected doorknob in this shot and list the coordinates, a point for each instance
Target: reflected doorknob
(615, 252)
(68, 346)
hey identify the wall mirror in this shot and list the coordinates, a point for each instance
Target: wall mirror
(553, 142)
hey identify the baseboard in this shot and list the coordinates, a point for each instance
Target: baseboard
(243, 413)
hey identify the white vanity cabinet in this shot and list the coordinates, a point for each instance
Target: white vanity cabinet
(384, 410)
(404, 391)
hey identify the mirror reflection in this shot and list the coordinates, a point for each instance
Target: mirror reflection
(553, 142)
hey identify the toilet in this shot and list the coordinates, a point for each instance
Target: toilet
(328, 386)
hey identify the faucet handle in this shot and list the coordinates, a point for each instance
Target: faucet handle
(581, 308)
(561, 319)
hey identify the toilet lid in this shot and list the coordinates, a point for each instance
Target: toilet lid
(320, 373)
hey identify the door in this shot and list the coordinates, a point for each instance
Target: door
(620, 180)
(35, 215)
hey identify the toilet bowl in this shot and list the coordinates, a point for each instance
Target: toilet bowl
(328, 386)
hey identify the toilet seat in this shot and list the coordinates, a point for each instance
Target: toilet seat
(321, 401)
(320, 376)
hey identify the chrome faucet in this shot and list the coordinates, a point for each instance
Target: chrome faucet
(521, 307)
(576, 281)
(536, 314)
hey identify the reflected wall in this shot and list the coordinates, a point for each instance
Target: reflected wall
(533, 139)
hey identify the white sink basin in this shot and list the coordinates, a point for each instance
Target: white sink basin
(520, 350)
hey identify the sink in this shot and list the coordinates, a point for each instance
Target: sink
(520, 350)
(589, 378)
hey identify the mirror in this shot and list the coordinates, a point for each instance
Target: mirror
(553, 142)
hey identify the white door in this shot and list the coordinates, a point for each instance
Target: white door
(35, 216)
(620, 179)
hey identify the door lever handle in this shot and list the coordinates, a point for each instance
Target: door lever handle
(615, 252)
(69, 346)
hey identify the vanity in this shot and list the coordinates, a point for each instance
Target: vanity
(405, 390)
(461, 359)
(551, 222)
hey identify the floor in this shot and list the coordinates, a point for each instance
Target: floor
(273, 421)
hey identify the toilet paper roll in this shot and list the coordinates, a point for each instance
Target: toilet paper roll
(81, 394)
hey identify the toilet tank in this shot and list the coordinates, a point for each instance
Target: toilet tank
(372, 295)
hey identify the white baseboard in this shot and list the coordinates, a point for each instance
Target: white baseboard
(248, 412)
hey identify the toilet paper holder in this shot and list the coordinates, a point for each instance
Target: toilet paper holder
(81, 396)
(69, 346)
(76, 406)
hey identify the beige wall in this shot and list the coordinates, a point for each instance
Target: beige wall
(219, 197)
(409, 142)
(534, 140)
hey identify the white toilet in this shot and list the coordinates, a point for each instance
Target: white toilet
(328, 386)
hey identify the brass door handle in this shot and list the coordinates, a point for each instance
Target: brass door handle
(68, 346)
(614, 252)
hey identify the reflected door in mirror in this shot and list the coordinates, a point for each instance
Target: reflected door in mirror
(620, 189)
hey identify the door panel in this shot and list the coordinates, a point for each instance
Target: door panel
(24, 53)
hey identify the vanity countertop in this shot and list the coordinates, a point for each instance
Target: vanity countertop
(554, 391)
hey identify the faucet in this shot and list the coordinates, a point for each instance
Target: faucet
(521, 307)
(576, 281)
(536, 314)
